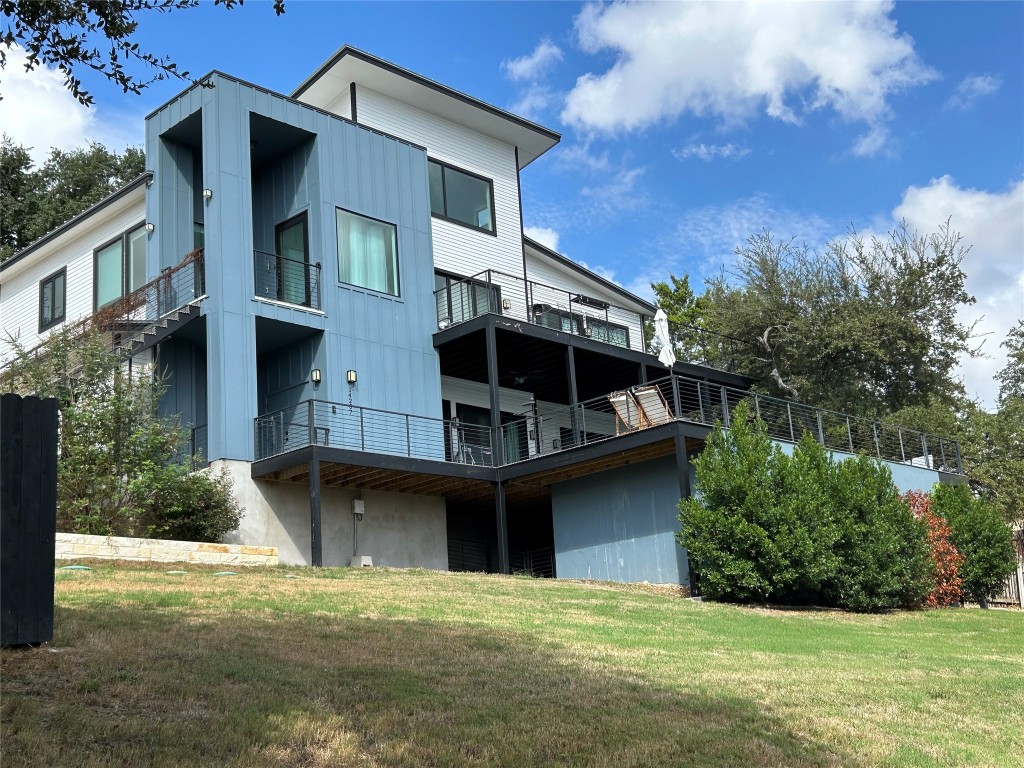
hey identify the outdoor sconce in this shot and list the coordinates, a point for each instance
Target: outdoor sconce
(351, 377)
(506, 304)
(314, 376)
(150, 228)
(207, 194)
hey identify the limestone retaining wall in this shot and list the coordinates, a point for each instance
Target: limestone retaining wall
(78, 546)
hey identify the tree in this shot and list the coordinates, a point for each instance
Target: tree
(685, 317)
(981, 535)
(63, 34)
(117, 468)
(1011, 377)
(867, 326)
(36, 201)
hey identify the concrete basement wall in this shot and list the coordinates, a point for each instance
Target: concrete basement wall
(398, 529)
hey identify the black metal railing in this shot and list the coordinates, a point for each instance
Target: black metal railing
(287, 280)
(559, 428)
(527, 300)
(339, 425)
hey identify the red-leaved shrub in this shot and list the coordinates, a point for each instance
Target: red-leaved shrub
(948, 584)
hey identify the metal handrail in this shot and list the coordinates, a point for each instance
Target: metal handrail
(287, 280)
(495, 292)
(681, 398)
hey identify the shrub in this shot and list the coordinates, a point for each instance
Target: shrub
(947, 588)
(882, 547)
(196, 506)
(758, 528)
(980, 534)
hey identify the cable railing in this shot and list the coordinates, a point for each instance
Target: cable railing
(679, 398)
(533, 302)
(371, 430)
(290, 281)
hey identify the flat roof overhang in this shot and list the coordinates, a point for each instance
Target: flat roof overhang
(350, 65)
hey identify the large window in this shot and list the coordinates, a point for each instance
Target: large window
(462, 197)
(52, 297)
(367, 253)
(120, 266)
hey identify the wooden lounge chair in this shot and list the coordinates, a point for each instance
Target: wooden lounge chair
(629, 416)
(652, 402)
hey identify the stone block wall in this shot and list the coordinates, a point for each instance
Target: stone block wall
(78, 546)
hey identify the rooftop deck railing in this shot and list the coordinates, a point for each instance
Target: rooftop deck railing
(371, 430)
(287, 280)
(674, 398)
(559, 428)
(540, 304)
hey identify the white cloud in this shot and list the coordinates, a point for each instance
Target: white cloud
(580, 157)
(602, 202)
(37, 111)
(543, 235)
(597, 269)
(731, 60)
(972, 88)
(533, 102)
(530, 67)
(872, 142)
(709, 152)
(993, 223)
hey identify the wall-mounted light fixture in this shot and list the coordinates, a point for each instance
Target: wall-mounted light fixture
(150, 227)
(506, 304)
(207, 194)
(350, 377)
(314, 376)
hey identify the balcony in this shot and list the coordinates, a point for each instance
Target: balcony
(560, 428)
(544, 305)
(289, 281)
(678, 398)
(370, 430)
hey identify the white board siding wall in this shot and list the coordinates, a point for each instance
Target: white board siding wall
(543, 271)
(19, 294)
(459, 250)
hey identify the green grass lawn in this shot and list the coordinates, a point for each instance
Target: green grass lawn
(373, 667)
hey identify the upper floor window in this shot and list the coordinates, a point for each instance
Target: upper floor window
(120, 266)
(52, 299)
(367, 253)
(460, 196)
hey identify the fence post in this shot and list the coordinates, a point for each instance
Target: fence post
(362, 431)
(903, 453)
(678, 413)
(849, 434)
(725, 408)
(700, 402)
(583, 422)
(942, 451)
(408, 442)
(789, 417)
(821, 429)
(924, 451)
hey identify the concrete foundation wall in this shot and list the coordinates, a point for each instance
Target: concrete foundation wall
(80, 546)
(398, 529)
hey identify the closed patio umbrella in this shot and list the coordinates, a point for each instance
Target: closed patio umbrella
(666, 355)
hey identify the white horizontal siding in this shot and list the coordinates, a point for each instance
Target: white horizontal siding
(19, 293)
(457, 249)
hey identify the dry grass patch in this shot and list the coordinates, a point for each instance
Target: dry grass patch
(377, 667)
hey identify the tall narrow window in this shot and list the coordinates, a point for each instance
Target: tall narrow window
(460, 196)
(293, 269)
(120, 266)
(52, 298)
(367, 253)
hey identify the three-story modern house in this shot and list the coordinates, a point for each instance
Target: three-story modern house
(337, 287)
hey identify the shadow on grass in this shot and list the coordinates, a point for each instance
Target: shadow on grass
(165, 688)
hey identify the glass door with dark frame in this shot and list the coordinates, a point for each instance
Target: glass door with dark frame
(293, 261)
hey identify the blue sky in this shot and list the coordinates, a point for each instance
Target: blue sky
(685, 126)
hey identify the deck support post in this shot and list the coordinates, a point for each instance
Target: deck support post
(501, 521)
(570, 367)
(316, 544)
(492, 383)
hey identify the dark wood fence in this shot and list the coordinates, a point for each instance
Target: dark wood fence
(28, 518)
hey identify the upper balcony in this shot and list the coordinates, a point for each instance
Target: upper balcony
(287, 280)
(529, 301)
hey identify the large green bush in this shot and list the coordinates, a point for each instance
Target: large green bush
(801, 528)
(980, 534)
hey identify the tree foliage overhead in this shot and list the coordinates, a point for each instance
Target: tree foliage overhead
(866, 327)
(96, 35)
(1011, 377)
(34, 201)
